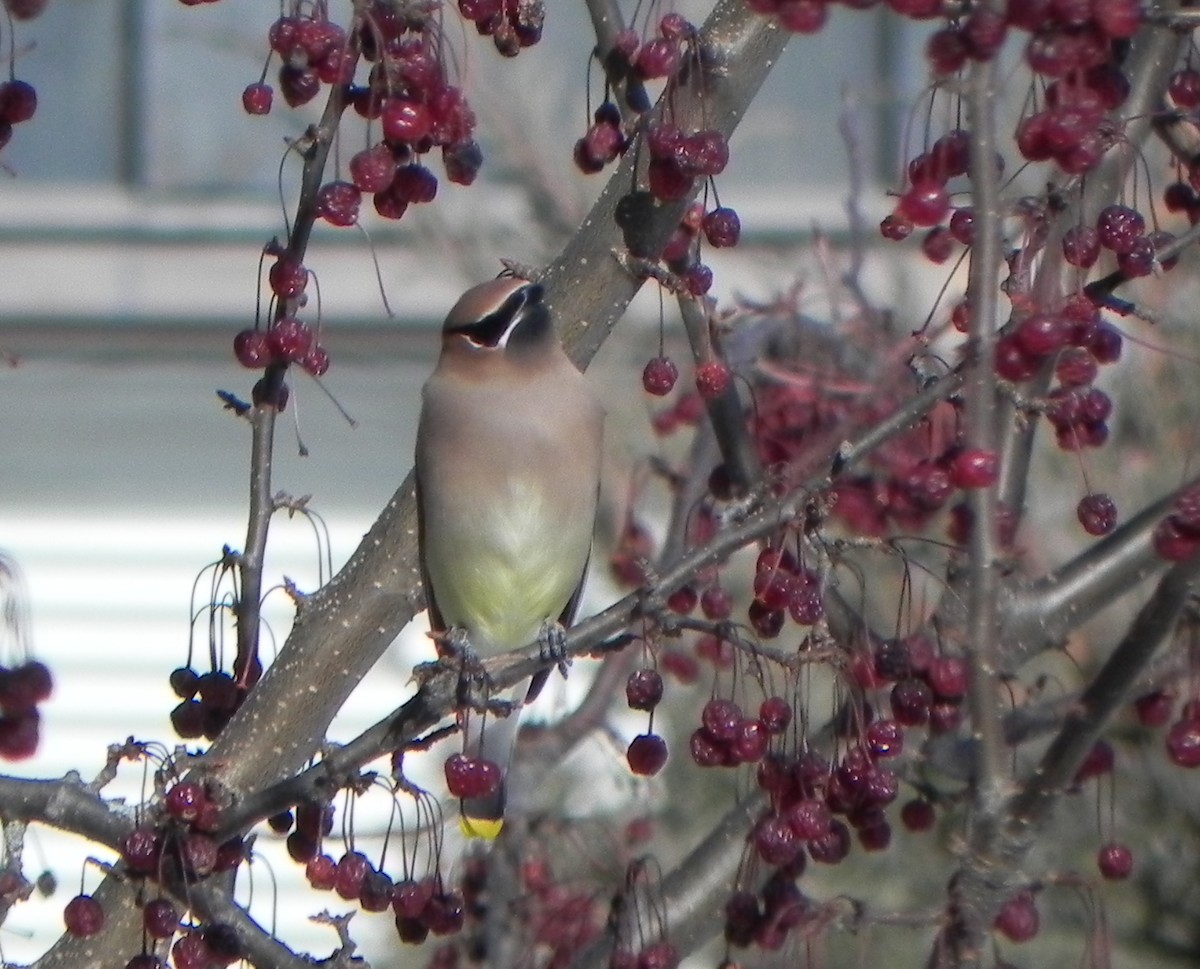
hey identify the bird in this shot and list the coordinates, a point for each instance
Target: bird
(508, 459)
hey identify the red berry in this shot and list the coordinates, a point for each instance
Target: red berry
(1097, 514)
(372, 169)
(338, 202)
(1183, 743)
(257, 98)
(1018, 918)
(722, 228)
(299, 85)
(716, 603)
(1081, 246)
(657, 58)
(83, 916)
(287, 277)
(321, 872)
(918, 815)
(253, 351)
(712, 379)
(1154, 709)
(462, 161)
(938, 245)
(775, 713)
(161, 918)
(1043, 334)
(1115, 861)
(289, 340)
(975, 468)
(471, 777)
(895, 227)
(184, 800)
(1173, 542)
(721, 719)
(885, 738)
(18, 101)
(647, 754)
(352, 869)
(925, 203)
(644, 689)
(1118, 226)
(659, 376)
(947, 677)
(405, 121)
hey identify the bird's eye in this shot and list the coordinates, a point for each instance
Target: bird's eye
(493, 329)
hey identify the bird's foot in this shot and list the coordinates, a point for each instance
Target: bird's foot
(552, 645)
(456, 652)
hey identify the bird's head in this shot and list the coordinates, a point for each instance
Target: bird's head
(505, 318)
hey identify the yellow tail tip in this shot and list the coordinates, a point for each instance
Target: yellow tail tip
(487, 829)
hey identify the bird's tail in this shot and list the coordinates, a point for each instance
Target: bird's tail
(493, 738)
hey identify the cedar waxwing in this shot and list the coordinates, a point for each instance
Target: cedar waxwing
(508, 472)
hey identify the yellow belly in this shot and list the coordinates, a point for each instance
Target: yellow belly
(509, 568)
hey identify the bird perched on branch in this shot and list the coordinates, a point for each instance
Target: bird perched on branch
(508, 470)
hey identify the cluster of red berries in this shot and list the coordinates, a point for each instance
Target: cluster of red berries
(677, 158)
(927, 688)
(647, 753)
(801, 16)
(656, 57)
(182, 845)
(925, 203)
(179, 845)
(208, 701)
(603, 142)
(1122, 231)
(512, 24)
(564, 915)
(712, 380)
(1177, 536)
(727, 737)
(783, 587)
(420, 906)
(406, 91)
(22, 688)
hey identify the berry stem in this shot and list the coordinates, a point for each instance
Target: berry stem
(738, 450)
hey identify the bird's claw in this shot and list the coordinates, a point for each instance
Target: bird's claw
(456, 652)
(552, 646)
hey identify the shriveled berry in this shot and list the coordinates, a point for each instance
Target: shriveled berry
(722, 227)
(1097, 514)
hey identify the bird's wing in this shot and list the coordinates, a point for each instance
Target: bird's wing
(436, 623)
(565, 618)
